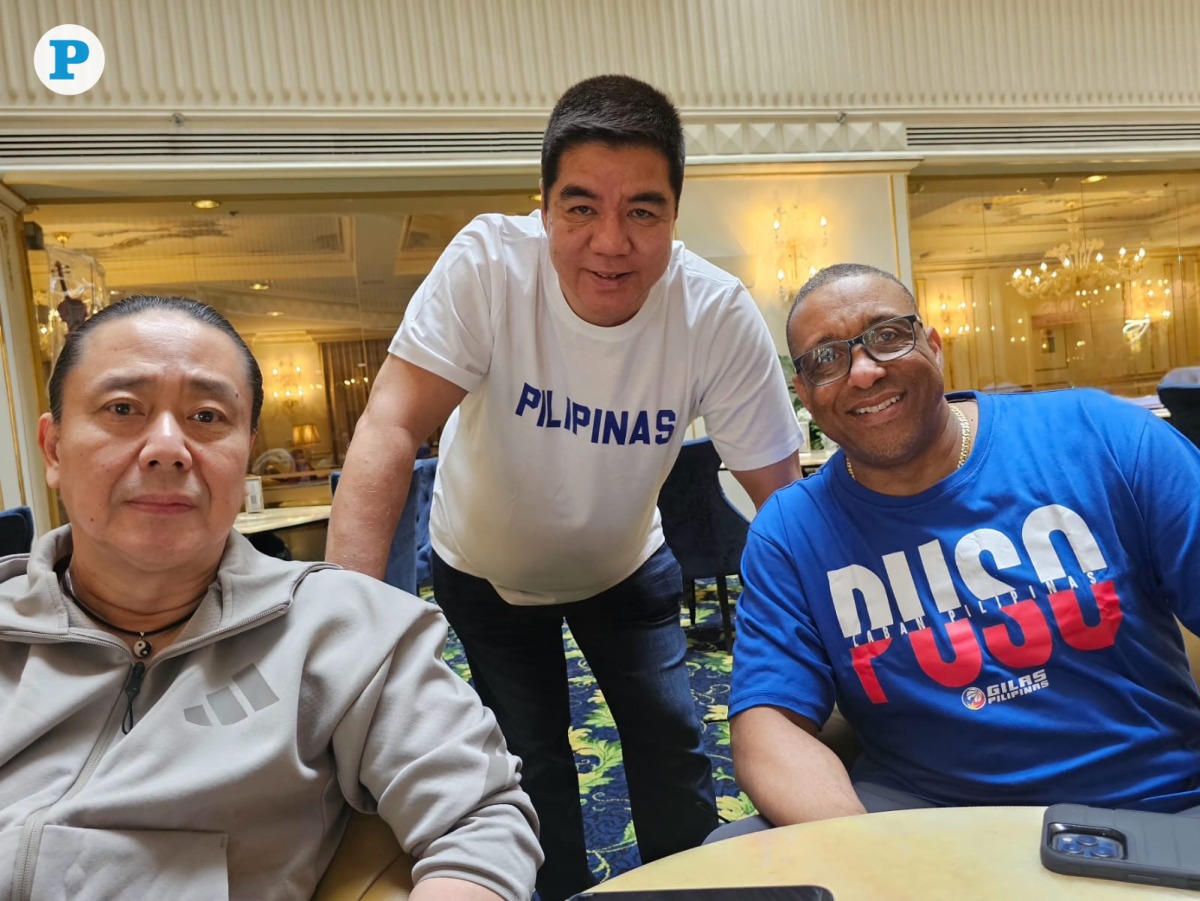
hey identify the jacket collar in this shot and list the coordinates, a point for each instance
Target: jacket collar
(249, 587)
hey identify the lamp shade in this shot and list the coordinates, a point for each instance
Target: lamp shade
(305, 433)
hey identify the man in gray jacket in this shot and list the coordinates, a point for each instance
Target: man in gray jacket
(184, 717)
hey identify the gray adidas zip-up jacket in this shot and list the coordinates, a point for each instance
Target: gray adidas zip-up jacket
(294, 691)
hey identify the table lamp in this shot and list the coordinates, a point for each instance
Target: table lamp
(305, 435)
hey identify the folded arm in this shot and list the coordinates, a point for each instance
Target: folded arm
(785, 769)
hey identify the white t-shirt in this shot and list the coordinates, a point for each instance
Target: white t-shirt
(550, 468)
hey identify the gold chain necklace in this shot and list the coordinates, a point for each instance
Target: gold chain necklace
(964, 427)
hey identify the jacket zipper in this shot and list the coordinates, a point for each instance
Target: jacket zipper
(31, 838)
(132, 686)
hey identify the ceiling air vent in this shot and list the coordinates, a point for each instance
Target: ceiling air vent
(979, 136)
(44, 146)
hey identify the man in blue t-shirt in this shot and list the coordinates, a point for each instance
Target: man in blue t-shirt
(986, 585)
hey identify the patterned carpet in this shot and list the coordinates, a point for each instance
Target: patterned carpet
(612, 848)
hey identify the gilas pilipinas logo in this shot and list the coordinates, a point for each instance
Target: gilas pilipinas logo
(69, 59)
(973, 698)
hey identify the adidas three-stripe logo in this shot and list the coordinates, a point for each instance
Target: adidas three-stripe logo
(224, 703)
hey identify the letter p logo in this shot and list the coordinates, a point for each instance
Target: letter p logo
(69, 59)
(66, 53)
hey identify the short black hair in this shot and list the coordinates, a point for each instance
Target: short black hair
(136, 305)
(836, 273)
(619, 111)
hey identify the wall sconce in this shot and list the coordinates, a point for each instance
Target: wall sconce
(794, 255)
(287, 390)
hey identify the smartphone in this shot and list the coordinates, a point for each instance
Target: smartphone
(739, 893)
(1126, 845)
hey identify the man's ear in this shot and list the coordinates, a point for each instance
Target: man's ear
(801, 386)
(48, 434)
(545, 199)
(935, 342)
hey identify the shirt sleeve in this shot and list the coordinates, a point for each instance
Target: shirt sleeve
(432, 757)
(745, 402)
(779, 660)
(447, 326)
(1165, 479)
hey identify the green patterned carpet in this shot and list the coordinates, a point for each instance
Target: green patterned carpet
(611, 845)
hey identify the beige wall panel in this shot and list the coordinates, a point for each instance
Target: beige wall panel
(511, 58)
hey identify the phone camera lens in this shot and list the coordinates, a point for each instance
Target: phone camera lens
(1088, 841)
(1068, 844)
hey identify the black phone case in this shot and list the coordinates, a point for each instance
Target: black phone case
(1160, 848)
(740, 893)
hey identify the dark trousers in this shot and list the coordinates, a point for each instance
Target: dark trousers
(631, 637)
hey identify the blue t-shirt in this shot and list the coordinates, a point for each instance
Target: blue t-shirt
(1007, 636)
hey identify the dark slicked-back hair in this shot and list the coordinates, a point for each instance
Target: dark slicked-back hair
(836, 273)
(148, 303)
(618, 111)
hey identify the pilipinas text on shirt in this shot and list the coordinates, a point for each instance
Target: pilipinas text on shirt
(597, 424)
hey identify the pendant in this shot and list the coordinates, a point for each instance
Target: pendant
(142, 648)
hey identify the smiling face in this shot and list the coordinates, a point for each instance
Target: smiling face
(884, 415)
(610, 217)
(150, 451)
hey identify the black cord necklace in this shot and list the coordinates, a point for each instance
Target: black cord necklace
(142, 648)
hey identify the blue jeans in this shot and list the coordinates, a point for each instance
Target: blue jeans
(631, 637)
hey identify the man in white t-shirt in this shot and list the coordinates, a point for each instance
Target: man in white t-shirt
(573, 347)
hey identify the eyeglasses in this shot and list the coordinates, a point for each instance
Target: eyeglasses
(888, 340)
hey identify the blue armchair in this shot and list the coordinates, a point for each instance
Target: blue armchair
(1180, 393)
(703, 529)
(16, 531)
(408, 559)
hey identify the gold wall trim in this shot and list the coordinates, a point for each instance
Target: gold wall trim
(12, 422)
(13, 281)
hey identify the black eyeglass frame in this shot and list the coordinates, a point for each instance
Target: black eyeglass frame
(913, 320)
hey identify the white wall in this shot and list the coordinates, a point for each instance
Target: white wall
(727, 217)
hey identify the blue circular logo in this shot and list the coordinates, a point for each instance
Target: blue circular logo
(973, 698)
(69, 59)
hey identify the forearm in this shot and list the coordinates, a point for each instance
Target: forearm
(442, 889)
(370, 497)
(788, 773)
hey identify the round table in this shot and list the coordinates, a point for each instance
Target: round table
(975, 853)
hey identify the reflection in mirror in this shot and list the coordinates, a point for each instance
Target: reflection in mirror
(316, 286)
(1043, 281)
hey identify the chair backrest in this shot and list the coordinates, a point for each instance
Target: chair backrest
(703, 529)
(1191, 644)
(16, 531)
(368, 865)
(1180, 393)
(408, 558)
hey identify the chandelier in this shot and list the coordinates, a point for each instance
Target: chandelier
(1078, 268)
